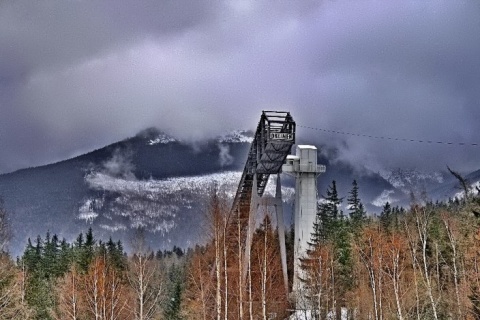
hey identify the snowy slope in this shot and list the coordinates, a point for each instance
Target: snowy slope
(236, 136)
(409, 180)
(154, 204)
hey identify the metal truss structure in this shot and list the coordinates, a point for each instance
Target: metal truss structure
(269, 154)
(272, 143)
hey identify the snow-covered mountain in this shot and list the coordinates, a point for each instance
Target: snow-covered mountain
(405, 182)
(158, 182)
(237, 136)
(411, 180)
(152, 180)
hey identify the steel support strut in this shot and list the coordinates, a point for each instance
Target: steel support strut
(281, 231)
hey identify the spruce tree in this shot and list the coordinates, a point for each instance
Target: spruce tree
(65, 257)
(355, 205)
(40, 261)
(318, 235)
(31, 256)
(86, 250)
(115, 254)
(51, 259)
(332, 228)
(328, 213)
(386, 216)
(174, 292)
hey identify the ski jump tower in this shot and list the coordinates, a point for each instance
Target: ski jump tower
(269, 154)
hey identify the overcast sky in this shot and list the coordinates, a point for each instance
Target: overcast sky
(77, 75)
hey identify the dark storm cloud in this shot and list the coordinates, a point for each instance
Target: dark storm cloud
(41, 34)
(51, 102)
(406, 70)
(75, 75)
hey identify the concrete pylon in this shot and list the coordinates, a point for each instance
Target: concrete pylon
(254, 203)
(281, 231)
(264, 202)
(303, 166)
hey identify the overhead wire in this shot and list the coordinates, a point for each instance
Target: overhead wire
(391, 138)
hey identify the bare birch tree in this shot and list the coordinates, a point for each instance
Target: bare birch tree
(69, 296)
(371, 258)
(145, 280)
(11, 304)
(394, 268)
(217, 216)
(199, 295)
(422, 216)
(103, 292)
(451, 229)
(241, 280)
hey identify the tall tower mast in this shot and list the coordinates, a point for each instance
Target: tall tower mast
(303, 166)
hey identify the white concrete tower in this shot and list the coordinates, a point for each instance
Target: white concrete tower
(303, 166)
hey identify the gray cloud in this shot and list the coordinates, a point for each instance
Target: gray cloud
(224, 156)
(120, 165)
(76, 75)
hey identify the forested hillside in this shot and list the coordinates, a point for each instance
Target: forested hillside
(421, 262)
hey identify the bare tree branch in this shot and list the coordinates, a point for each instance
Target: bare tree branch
(463, 182)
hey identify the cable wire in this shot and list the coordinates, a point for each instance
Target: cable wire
(391, 138)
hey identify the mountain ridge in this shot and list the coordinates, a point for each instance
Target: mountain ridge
(69, 196)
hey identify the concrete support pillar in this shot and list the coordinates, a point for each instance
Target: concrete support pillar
(254, 203)
(281, 231)
(264, 202)
(303, 166)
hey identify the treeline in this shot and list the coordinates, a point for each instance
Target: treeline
(91, 279)
(416, 263)
(420, 263)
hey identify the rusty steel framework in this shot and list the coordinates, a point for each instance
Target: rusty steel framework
(272, 143)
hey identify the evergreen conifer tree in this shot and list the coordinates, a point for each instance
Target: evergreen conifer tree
(174, 293)
(65, 257)
(115, 254)
(386, 216)
(86, 250)
(50, 256)
(31, 256)
(328, 214)
(40, 261)
(318, 234)
(355, 205)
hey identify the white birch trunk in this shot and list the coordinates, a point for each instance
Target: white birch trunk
(225, 271)
(218, 272)
(422, 221)
(334, 293)
(453, 245)
(240, 268)
(413, 253)
(380, 286)
(144, 279)
(320, 287)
